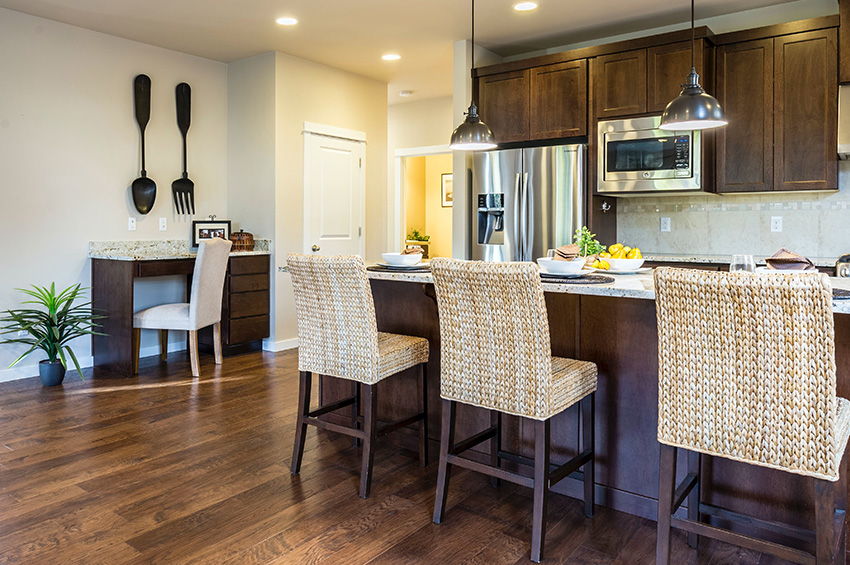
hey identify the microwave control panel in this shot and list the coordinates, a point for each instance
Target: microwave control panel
(683, 153)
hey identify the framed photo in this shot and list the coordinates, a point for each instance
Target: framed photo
(208, 229)
(448, 191)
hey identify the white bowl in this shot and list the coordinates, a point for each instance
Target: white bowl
(623, 264)
(402, 260)
(554, 267)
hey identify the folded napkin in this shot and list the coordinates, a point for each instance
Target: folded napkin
(566, 252)
(784, 260)
(413, 250)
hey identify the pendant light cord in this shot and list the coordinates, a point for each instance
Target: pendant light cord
(693, 35)
(473, 35)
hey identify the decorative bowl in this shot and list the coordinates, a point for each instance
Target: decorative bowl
(401, 260)
(624, 264)
(549, 265)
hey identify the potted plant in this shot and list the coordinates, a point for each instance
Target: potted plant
(414, 235)
(588, 246)
(50, 328)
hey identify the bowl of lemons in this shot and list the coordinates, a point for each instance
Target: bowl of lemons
(619, 257)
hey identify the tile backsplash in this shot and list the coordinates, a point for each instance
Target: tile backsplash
(815, 225)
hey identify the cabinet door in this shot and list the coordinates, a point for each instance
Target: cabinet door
(620, 84)
(503, 104)
(667, 68)
(745, 91)
(559, 100)
(806, 103)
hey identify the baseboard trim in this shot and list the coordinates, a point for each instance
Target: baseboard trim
(282, 345)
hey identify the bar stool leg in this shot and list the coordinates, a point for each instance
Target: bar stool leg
(306, 382)
(541, 488)
(588, 440)
(447, 440)
(369, 434)
(495, 444)
(841, 505)
(824, 514)
(666, 485)
(422, 390)
(355, 410)
(694, 467)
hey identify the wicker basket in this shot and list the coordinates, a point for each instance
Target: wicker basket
(242, 241)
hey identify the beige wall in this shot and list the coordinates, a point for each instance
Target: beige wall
(414, 195)
(438, 219)
(69, 148)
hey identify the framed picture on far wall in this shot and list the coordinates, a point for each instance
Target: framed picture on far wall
(448, 192)
(208, 229)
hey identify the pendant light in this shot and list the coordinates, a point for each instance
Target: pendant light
(693, 108)
(472, 134)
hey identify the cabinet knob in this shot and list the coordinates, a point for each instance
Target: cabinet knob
(315, 248)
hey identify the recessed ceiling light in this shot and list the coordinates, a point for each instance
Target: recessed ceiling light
(405, 93)
(390, 57)
(287, 21)
(525, 6)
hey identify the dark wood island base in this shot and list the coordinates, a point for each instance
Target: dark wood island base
(620, 336)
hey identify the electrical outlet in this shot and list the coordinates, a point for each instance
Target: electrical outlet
(131, 224)
(163, 224)
(665, 224)
(776, 223)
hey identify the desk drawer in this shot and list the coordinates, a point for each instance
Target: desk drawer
(249, 283)
(165, 267)
(244, 330)
(249, 264)
(247, 304)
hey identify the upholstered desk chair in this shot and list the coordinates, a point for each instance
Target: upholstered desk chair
(746, 371)
(202, 310)
(496, 354)
(338, 337)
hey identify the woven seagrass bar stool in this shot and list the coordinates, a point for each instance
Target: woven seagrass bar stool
(496, 355)
(338, 337)
(746, 371)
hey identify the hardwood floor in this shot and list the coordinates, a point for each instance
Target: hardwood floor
(168, 469)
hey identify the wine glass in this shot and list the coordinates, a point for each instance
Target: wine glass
(742, 263)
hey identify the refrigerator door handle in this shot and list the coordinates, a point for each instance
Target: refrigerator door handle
(517, 249)
(528, 229)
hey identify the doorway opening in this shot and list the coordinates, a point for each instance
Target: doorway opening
(425, 197)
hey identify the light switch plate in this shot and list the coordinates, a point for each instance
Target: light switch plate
(163, 224)
(131, 224)
(665, 224)
(776, 224)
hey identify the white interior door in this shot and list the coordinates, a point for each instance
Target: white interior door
(333, 195)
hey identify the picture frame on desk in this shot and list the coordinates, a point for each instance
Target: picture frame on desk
(208, 229)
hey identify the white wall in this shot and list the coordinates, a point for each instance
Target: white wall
(69, 150)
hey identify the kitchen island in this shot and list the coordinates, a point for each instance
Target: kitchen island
(614, 326)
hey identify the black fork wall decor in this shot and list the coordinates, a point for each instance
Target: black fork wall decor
(183, 189)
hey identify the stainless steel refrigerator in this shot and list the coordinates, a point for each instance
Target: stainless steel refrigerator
(526, 201)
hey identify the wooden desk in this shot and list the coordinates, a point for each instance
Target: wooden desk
(245, 305)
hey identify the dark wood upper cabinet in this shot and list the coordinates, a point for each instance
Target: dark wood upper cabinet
(620, 84)
(745, 90)
(559, 100)
(806, 105)
(667, 68)
(503, 104)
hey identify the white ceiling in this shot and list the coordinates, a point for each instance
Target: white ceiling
(353, 34)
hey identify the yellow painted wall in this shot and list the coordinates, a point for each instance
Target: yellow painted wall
(414, 195)
(438, 220)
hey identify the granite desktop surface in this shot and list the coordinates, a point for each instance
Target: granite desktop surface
(155, 250)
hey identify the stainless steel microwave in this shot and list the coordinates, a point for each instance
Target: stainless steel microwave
(634, 156)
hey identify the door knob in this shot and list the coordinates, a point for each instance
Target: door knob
(315, 248)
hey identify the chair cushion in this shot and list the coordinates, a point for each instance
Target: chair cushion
(164, 317)
(399, 352)
(572, 380)
(842, 430)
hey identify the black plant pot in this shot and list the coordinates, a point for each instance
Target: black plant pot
(51, 373)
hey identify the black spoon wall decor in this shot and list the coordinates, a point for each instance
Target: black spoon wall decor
(143, 188)
(183, 189)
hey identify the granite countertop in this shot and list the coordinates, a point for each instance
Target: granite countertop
(723, 259)
(153, 250)
(624, 286)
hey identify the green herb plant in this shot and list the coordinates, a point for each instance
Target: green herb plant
(587, 243)
(52, 326)
(414, 235)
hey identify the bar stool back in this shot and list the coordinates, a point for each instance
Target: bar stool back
(338, 337)
(496, 354)
(746, 371)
